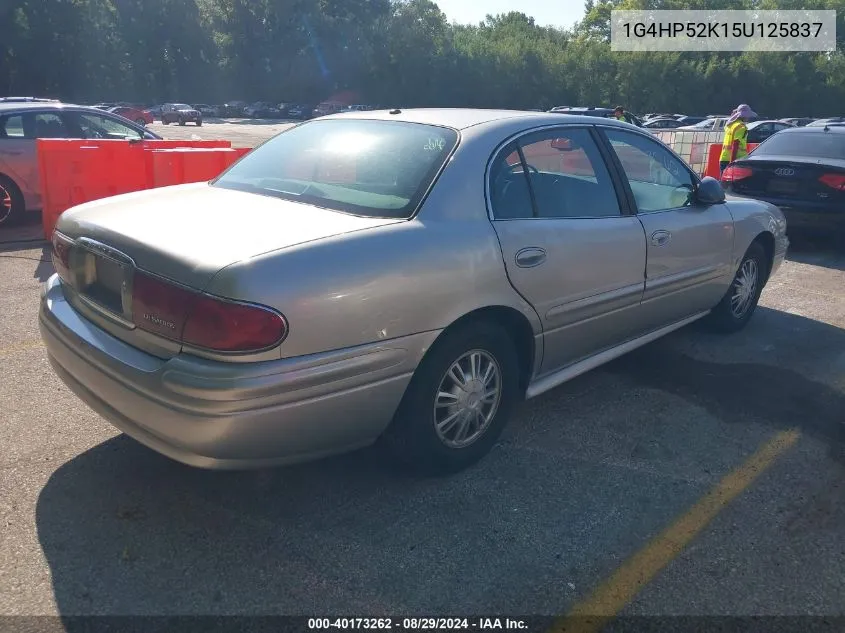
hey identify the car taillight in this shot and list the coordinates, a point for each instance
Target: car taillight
(734, 172)
(60, 254)
(834, 181)
(203, 321)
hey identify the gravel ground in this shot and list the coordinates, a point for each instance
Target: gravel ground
(585, 477)
(242, 132)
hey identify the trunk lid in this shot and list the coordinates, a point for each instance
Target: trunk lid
(789, 178)
(189, 232)
(185, 234)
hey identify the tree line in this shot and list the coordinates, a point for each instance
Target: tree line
(391, 52)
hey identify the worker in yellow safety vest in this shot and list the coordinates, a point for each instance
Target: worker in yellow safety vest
(620, 114)
(735, 144)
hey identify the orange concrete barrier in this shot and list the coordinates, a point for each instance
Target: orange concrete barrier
(181, 166)
(74, 171)
(713, 153)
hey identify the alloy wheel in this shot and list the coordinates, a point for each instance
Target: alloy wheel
(744, 288)
(468, 398)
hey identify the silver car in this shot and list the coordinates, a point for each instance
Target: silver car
(22, 123)
(401, 278)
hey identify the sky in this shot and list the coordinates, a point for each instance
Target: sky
(560, 13)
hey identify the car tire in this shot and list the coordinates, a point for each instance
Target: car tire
(12, 204)
(424, 436)
(181, 121)
(199, 123)
(736, 308)
(141, 122)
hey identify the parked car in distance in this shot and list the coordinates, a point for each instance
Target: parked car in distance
(234, 108)
(207, 110)
(180, 113)
(299, 111)
(254, 110)
(662, 124)
(799, 122)
(591, 111)
(760, 130)
(22, 123)
(690, 120)
(357, 108)
(332, 314)
(802, 171)
(328, 107)
(711, 124)
(837, 120)
(141, 117)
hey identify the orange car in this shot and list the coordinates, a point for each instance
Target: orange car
(141, 117)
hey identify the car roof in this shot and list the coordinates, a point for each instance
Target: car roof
(41, 105)
(815, 129)
(462, 118)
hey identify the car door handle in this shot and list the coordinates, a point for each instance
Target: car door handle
(530, 257)
(661, 238)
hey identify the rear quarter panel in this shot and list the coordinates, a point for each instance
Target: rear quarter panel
(419, 275)
(376, 284)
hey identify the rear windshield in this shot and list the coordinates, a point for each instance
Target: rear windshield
(362, 167)
(812, 144)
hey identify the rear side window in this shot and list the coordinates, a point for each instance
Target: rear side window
(808, 144)
(12, 127)
(564, 176)
(370, 168)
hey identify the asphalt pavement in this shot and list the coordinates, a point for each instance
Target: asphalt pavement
(699, 475)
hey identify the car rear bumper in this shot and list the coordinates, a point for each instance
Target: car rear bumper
(220, 415)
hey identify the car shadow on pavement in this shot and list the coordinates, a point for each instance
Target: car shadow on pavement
(817, 249)
(126, 531)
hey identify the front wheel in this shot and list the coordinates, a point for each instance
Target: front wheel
(457, 402)
(735, 309)
(141, 122)
(181, 121)
(199, 123)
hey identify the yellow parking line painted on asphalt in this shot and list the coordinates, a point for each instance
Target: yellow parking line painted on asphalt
(20, 347)
(590, 615)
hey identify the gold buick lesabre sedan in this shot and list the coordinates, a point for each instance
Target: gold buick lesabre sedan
(400, 278)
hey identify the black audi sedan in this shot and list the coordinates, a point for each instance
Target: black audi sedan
(801, 170)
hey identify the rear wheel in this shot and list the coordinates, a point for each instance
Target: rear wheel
(12, 204)
(457, 403)
(735, 309)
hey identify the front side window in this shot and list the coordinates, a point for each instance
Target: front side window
(370, 168)
(96, 126)
(658, 179)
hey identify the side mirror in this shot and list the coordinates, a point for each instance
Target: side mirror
(710, 191)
